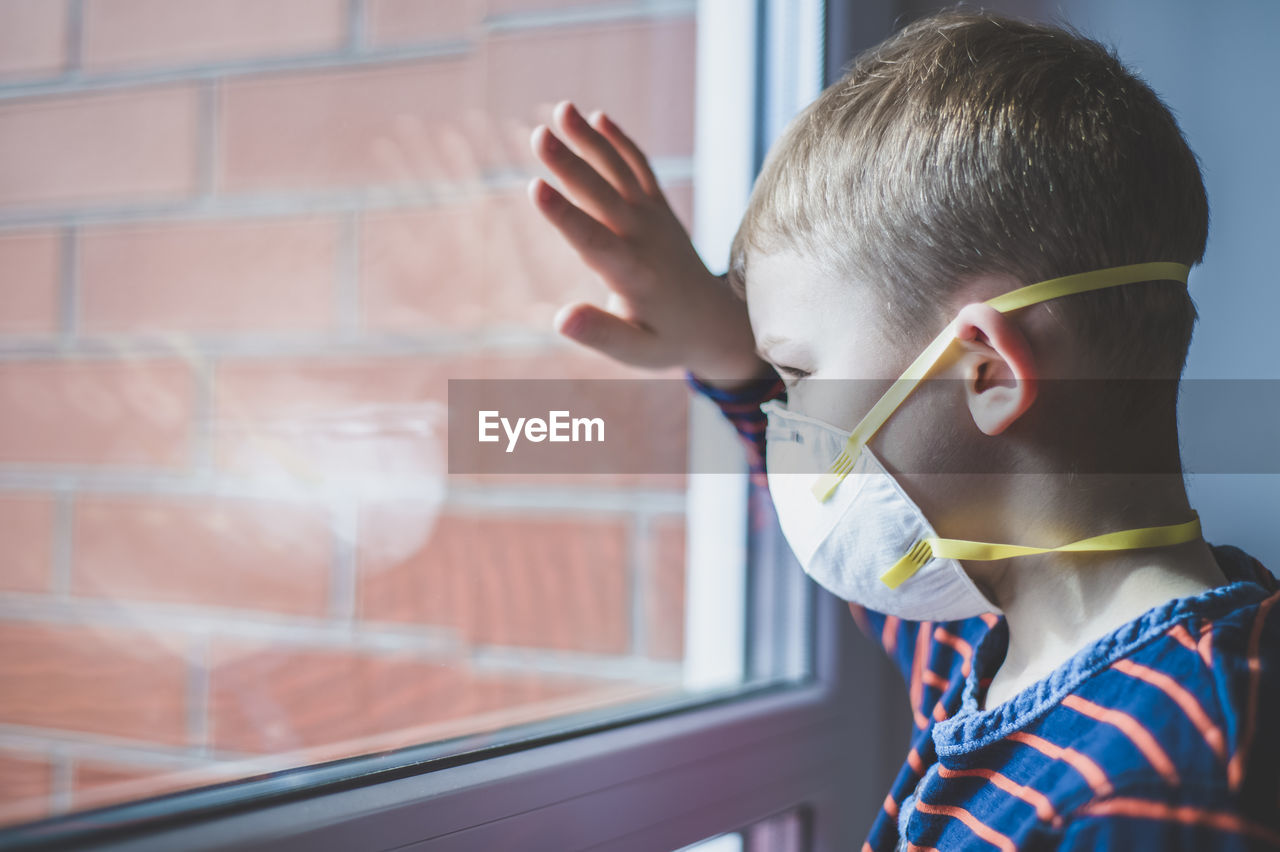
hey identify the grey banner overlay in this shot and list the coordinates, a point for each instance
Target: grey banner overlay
(641, 426)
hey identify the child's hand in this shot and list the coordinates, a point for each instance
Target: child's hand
(665, 307)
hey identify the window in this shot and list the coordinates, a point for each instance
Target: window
(246, 245)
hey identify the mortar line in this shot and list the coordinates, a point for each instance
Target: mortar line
(104, 748)
(200, 453)
(62, 781)
(68, 285)
(669, 170)
(63, 544)
(624, 667)
(638, 567)
(76, 81)
(342, 563)
(347, 278)
(474, 499)
(198, 695)
(356, 26)
(237, 624)
(208, 151)
(75, 35)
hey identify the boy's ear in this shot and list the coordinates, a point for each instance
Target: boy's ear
(997, 367)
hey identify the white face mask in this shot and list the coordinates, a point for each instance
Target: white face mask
(846, 543)
(856, 532)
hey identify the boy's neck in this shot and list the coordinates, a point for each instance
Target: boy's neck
(1055, 604)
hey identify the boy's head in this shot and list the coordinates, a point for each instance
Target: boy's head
(971, 146)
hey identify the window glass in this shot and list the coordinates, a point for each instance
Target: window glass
(719, 843)
(781, 833)
(245, 244)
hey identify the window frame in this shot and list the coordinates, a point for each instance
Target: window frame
(653, 777)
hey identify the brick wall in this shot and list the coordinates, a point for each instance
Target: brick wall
(243, 244)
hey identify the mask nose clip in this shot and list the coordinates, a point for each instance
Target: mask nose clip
(784, 433)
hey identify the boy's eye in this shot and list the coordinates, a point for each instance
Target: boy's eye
(791, 374)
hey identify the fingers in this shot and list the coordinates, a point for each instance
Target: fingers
(601, 249)
(610, 335)
(588, 188)
(630, 151)
(596, 149)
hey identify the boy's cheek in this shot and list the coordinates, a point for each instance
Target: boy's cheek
(840, 402)
(933, 432)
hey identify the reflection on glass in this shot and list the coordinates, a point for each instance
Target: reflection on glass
(720, 843)
(783, 832)
(243, 249)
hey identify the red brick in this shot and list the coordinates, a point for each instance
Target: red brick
(210, 277)
(137, 145)
(494, 263)
(250, 554)
(421, 269)
(33, 37)
(403, 574)
(664, 590)
(26, 784)
(266, 389)
(268, 700)
(489, 264)
(530, 272)
(501, 701)
(105, 680)
(504, 579)
(272, 700)
(341, 128)
(90, 775)
(95, 784)
(503, 7)
(382, 421)
(135, 412)
(26, 528)
(365, 413)
(324, 422)
(641, 74)
(395, 22)
(140, 33)
(484, 264)
(29, 268)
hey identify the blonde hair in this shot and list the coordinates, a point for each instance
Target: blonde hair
(971, 144)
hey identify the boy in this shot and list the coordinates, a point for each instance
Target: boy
(1126, 696)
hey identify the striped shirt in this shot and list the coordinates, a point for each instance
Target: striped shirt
(1161, 735)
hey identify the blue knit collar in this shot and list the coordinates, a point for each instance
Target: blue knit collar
(971, 728)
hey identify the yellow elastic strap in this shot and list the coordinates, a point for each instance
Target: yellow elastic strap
(1098, 279)
(979, 551)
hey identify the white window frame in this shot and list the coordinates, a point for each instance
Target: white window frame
(678, 774)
